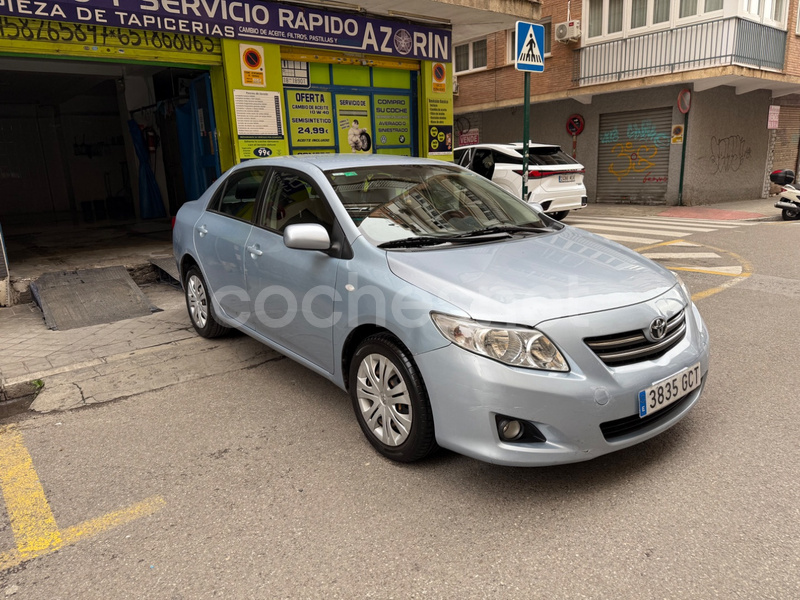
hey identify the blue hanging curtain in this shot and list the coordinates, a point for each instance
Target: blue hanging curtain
(151, 205)
(188, 132)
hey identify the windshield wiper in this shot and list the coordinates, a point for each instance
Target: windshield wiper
(419, 241)
(414, 242)
(502, 229)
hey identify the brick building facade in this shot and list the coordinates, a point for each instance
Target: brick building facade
(623, 73)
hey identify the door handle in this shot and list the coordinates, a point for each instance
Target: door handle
(202, 230)
(254, 251)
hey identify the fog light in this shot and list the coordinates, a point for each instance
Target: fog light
(509, 429)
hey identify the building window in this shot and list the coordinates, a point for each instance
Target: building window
(638, 13)
(512, 41)
(688, 8)
(470, 56)
(614, 17)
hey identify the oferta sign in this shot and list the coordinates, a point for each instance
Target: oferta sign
(248, 19)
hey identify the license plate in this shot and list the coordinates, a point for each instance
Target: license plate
(566, 179)
(664, 393)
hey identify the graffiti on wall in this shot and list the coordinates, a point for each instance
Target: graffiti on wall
(728, 154)
(638, 154)
(631, 159)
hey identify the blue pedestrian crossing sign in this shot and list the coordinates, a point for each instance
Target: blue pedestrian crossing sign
(530, 47)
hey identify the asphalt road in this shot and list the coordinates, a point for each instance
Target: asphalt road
(259, 484)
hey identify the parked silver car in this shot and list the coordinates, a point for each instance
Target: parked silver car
(555, 179)
(454, 314)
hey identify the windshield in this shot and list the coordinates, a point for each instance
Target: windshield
(431, 202)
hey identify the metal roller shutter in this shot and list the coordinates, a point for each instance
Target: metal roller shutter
(633, 156)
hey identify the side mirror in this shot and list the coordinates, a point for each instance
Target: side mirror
(306, 236)
(536, 206)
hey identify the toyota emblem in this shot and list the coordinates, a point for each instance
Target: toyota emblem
(658, 328)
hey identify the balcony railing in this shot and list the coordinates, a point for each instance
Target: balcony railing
(732, 41)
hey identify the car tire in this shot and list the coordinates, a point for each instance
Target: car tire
(791, 214)
(560, 215)
(366, 141)
(200, 307)
(401, 430)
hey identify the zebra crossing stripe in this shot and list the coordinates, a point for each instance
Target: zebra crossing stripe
(633, 230)
(669, 220)
(648, 224)
(724, 223)
(732, 271)
(679, 255)
(626, 238)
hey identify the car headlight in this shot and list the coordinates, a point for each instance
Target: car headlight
(515, 346)
(685, 289)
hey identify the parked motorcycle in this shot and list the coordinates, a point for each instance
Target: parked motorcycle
(789, 198)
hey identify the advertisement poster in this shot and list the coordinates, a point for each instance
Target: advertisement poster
(353, 118)
(392, 120)
(310, 119)
(258, 123)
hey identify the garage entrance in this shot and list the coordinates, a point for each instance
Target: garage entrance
(93, 143)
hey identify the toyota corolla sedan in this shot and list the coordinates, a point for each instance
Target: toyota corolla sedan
(454, 314)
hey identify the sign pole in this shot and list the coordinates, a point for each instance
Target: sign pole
(525, 135)
(683, 158)
(684, 104)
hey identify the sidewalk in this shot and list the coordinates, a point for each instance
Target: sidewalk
(79, 367)
(106, 362)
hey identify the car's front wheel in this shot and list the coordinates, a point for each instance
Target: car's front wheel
(198, 303)
(390, 400)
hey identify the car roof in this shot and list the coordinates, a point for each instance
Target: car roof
(331, 161)
(514, 146)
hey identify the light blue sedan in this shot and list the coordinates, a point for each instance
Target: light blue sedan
(454, 314)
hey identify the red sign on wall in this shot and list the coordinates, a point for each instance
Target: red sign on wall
(468, 137)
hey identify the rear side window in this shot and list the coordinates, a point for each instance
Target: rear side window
(549, 155)
(237, 196)
(501, 158)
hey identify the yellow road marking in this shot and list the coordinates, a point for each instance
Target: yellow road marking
(35, 530)
(747, 269)
(34, 525)
(705, 271)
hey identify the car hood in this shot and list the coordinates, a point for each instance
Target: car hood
(536, 278)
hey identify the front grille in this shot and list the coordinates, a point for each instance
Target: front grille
(632, 346)
(627, 425)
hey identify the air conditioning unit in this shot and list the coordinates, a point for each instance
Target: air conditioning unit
(569, 31)
(455, 85)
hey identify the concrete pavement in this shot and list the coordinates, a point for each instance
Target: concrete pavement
(100, 363)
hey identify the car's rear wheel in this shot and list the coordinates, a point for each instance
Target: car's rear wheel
(198, 303)
(560, 215)
(390, 400)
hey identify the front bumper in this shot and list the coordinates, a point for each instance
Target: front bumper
(468, 391)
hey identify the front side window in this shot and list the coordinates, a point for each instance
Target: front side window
(292, 199)
(237, 196)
